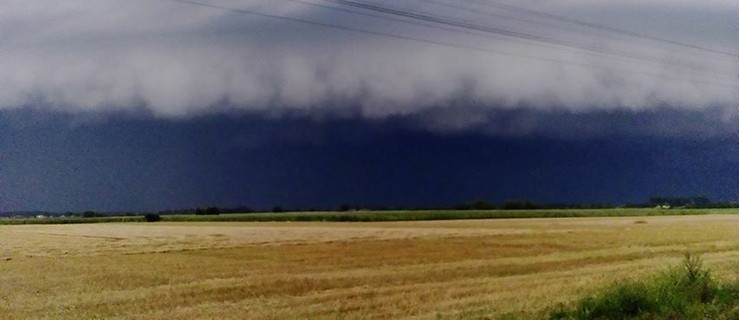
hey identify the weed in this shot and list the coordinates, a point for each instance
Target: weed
(686, 293)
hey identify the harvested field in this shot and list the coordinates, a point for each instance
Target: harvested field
(316, 270)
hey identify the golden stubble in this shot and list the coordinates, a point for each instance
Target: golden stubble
(471, 269)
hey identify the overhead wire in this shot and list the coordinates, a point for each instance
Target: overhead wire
(516, 34)
(584, 28)
(438, 43)
(654, 63)
(496, 4)
(417, 23)
(388, 18)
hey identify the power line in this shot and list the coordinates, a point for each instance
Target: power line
(438, 43)
(532, 12)
(369, 32)
(654, 63)
(389, 18)
(588, 30)
(417, 23)
(512, 33)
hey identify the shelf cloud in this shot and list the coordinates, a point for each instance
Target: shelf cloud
(179, 59)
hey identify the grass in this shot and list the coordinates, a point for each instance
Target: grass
(71, 220)
(452, 269)
(689, 292)
(379, 216)
(429, 215)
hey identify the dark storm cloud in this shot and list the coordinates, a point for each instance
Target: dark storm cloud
(156, 104)
(173, 59)
(661, 122)
(53, 161)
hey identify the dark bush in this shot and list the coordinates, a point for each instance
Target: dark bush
(519, 205)
(685, 293)
(152, 217)
(212, 211)
(91, 214)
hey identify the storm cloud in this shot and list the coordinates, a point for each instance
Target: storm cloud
(174, 59)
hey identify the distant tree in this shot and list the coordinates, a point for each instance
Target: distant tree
(700, 202)
(477, 205)
(598, 206)
(481, 205)
(213, 211)
(519, 205)
(691, 202)
(277, 209)
(344, 208)
(239, 209)
(638, 205)
(152, 217)
(90, 214)
(199, 211)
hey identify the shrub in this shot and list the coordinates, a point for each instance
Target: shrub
(91, 214)
(152, 217)
(685, 293)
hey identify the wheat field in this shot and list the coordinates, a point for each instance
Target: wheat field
(470, 269)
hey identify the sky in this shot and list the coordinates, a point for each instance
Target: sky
(161, 104)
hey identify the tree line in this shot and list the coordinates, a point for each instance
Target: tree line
(698, 202)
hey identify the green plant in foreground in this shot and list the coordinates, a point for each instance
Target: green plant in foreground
(689, 292)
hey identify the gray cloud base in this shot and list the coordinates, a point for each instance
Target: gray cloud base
(175, 60)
